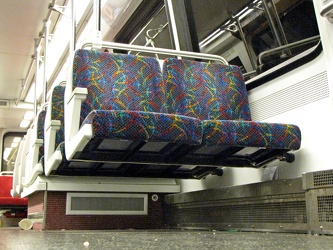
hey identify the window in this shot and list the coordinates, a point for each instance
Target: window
(248, 38)
(10, 146)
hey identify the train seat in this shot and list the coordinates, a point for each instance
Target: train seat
(35, 154)
(57, 164)
(21, 164)
(216, 94)
(119, 113)
(17, 166)
(54, 130)
(6, 199)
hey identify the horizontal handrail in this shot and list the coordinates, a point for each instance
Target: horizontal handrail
(6, 173)
(161, 51)
(287, 46)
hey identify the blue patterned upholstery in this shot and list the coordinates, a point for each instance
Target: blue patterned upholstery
(217, 95)
(126, 99)
(57, 111)
(118, 82)
(205, 90)
(40, 132)
(143, 126)
(251, 134)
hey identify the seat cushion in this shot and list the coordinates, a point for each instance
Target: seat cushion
(251, 134)
(207, 91)
(13, 201)
(145, 126)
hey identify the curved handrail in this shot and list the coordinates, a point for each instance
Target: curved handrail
(6, 173)
(162, 51)
(287, 46)
(284, 67)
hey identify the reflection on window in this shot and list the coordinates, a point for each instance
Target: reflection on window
(261, 26)
(111, 10)
(155, 33)
(298, 23)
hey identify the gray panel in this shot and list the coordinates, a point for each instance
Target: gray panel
(281, 187)
(320, 179)
(267, 206)
(320, 210)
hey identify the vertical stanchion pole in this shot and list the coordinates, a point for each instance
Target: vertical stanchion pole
(46, 48)
(97, 40)
(97, 13)
(73, 33)
(276, 25)
(240, 29)
(69, 85)
(72, 46)
(37, 58)
(172, 23)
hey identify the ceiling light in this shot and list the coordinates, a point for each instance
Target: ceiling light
(25, 123)
(29, 115)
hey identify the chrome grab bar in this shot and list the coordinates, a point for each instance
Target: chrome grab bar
(162, 51)
(287, 46)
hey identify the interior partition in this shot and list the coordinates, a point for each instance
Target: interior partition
(47, 209)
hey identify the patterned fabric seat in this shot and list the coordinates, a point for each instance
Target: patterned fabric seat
(126, 102)
(143, 126)
(57, 112)
(40, 133)
(216, 94)
(35, 156)
(54, 129)
(121, 126)
(21, 165)
(251, 134)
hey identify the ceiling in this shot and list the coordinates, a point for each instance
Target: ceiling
(20, 23)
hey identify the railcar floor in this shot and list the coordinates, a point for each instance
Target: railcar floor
(14, 238)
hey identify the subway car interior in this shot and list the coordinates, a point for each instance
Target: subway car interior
(149, 124)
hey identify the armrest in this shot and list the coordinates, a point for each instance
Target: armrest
(54, 125)
(50, 138)
(35, 152)
(72, 120)
(78, 93)
(72, 112)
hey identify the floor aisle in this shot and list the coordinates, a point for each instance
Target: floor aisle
(13, 238)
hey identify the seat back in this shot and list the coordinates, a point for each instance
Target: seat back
(40, 132)
(35, 151)
(7, 202)
(207, 91)
(57, 111)
(118, 82)
(17, 166)
(6, 183)
(23, 163)
(54, 130)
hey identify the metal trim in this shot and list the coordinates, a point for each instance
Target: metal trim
(138, 48)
